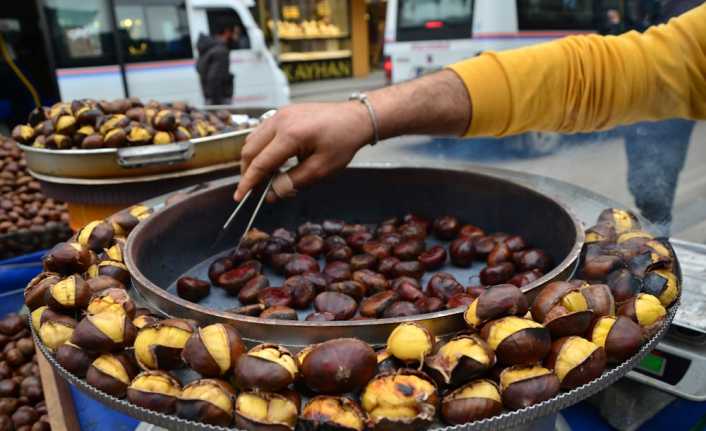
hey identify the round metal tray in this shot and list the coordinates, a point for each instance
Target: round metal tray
(509, 419)
(178, 238)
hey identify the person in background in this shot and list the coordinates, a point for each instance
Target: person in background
(614, 22)
(213, 65)
(656, 151)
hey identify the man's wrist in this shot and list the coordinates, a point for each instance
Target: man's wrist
(362, 99)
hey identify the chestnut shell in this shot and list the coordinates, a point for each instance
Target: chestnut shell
(338, 366)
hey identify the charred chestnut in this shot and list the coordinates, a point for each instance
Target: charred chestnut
(663, 284)
(598, 267)
(342, 306)
(492, 275)
(154, 390)
(460, 360)
(108, 331)
(462, 252)
(111, 374)
(476, 400)
(443, 286)
(403, 400)
(338, 366)
(213, 350)
(410, 343)
(207, 400)
(526, 385)
(646, 310)
(517, 341)
(192, 289)
(159, 346)
(266, 367)
(619, 336)
(261, 411)
(576, 361)
(623, 285)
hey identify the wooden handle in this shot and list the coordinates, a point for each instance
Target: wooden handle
(57, 396)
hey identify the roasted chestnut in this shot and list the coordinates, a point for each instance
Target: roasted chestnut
(619, 336)
(462, 252)
(266, 367)
(213, 350)
(433, 258)
(192, 289)
(403, 400)
(501, 273)
(261, 411)
(375, 305)
(460, 360)
(410, 343)
(154, 390)
(576, 361)
(663, 284)
(114, 269)
(476, 400)
(646, 310)
(300, 264)
(443, 286)
(562, 309)
(526, 385)
(334, 413)
(96, 235)
(623, 285)
(68, 258)
(599, 299)
(112, 373)
(517, 341)
(401, 309)
(342, 306)
(74, 359)
(36, 289)
(300, 290)
(104, 332)
(597, 268)
(338, 271)
(55, 329)
(159, 346)
(112, 299)
(207, 400)
(338, 366)
(495, 302)
(619, 219)
(125, 221)
(103, 282)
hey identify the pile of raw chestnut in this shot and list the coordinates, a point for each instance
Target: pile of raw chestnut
(22, 406)
(90, 124)
(368, 273)
(29, 221)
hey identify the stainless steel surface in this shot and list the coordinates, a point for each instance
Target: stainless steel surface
(522, 419)
(105, 163)
(692, 258)
(174, 240)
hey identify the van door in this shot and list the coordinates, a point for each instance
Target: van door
(258, 80)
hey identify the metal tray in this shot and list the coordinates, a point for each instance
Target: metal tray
(510, 419)
(112, 163)
(180, 236)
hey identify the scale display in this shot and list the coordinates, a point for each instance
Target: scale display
(664, 366)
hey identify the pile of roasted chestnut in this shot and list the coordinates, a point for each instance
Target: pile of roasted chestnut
(29, 221)
(22, 406)
(366, 273)
(89, 124)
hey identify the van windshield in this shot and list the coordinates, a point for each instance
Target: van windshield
(434, 19)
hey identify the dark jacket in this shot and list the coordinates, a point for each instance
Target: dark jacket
(213, 67)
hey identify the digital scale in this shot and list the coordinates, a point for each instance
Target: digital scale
(678, 364)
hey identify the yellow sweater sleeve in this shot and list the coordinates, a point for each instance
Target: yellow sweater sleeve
(584, 83)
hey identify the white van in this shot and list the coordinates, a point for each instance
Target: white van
(147, 48)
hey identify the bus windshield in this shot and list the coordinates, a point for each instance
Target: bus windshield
(434, 19)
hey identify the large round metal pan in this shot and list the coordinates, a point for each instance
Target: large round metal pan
(177, 238)
(104, 163)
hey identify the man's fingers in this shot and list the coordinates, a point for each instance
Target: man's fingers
(255, 142)
(307, 172)
(270, 158)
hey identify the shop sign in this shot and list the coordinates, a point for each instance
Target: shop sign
(297, 71)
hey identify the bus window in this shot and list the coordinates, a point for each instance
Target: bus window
(242, 41)
(153, 30)
(434, 19)
(557, 14)
(80, 32)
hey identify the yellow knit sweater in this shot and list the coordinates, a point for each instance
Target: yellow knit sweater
(584, 83)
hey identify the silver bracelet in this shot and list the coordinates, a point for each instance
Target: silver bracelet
(363, 98)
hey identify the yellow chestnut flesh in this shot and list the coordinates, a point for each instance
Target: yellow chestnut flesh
(215, 339)
(274, 355)
(574, 302)
(573, 353)
(383, 397)
(410, 342)
(518, 374)
(212, 393)
(268, 411)
(54, 334)
(479, 389)
(339, 413)
(111, 323)
(111, 366)
(155, 383)
(648, 309)
(470, 315)
(167, 336)
(601, 330)
(507, 327)
(37, 315)
(64, 292)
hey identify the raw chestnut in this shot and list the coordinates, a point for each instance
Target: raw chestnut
(209, 401)
(459, 300)
(351, 288)
(318, 280)
(332, 413)
(528, 260)
(387, 265)
(320, 317)
(470, 231)
(375, 305)
(413, 231)
(517, 341)
(373, 281)
(515, 243)
(476, 400)
(404, 400)
(234, 280)
(483, 245)
(266, 367)
(74, 359)
(563, 309)
(356, 240)
(342, 306)
(433, 258)
(462, 252)
(526, 385)
(249, 293)
(409, 249)
(460, 360)
(338, 271)
(159, 346)
(263, 411)
(252, 310)
(69, 294)
(300, 290)
(408, 288)
(300, 264)
(401, 309)
(12, 324)
(341, 253)
(410, 343)
(112, 374)
(218, 267)
(338, 366)
(443, 286)
(501, 273)
(311, 245)
(279, 312)
(646, 310)
(663, 284)
(24, 416)
(411, 268)
(500, 253)
(378, 249)
(310, 228)
(108, 331)
(192, 289)
(576, 361)
(35, 291)
(213, 350)
(9, 388)
(363, 261)
(495, 302)
(333, 227)
(429, 304)
(446, 227)
(154, 390)
(274, 296)
(525, 278)
(619, 336)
